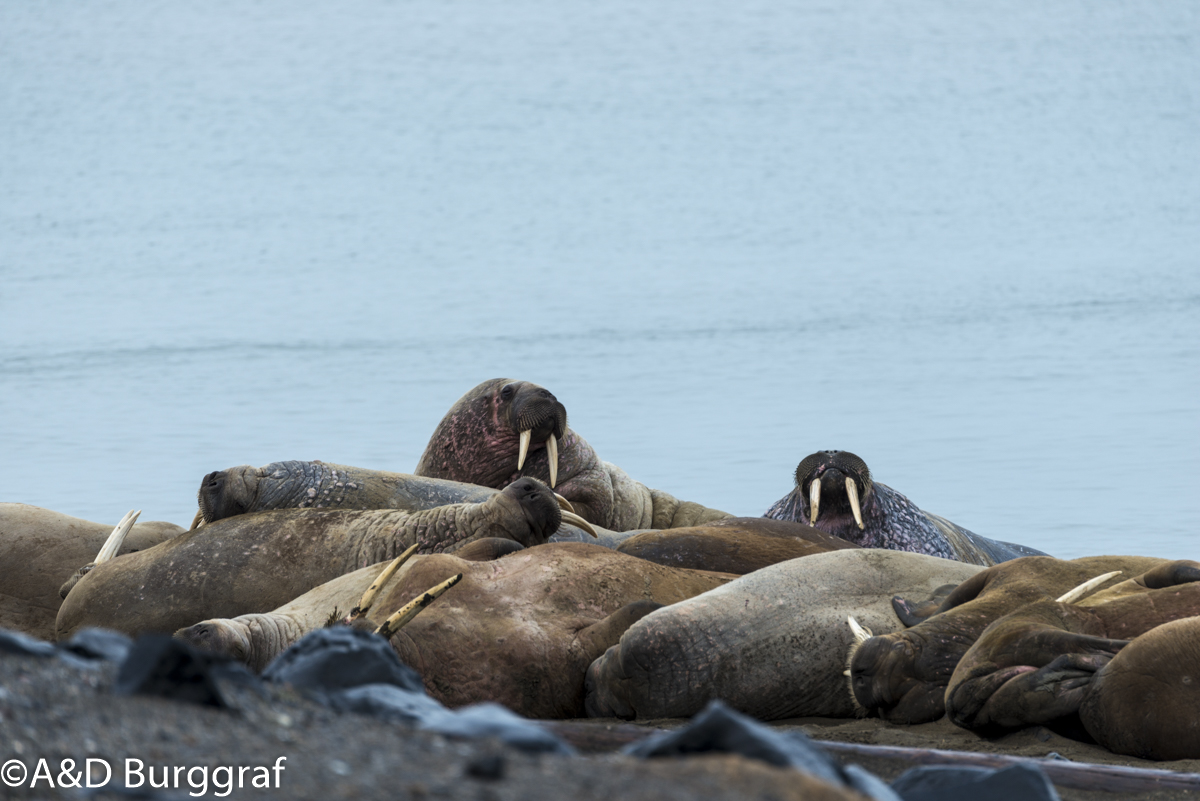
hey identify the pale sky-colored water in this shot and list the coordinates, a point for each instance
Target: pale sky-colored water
(963, 243)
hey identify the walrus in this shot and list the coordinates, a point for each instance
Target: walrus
(520, 630)
(1035, 665)
(40, 548)
(902, 676)
(1145, 702)
(738, 545)
(257, 562)
(503, 429)
(770, 644)
(834, 492)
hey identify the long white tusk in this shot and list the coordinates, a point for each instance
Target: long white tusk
(525, 435)
(368, 597)
(861, 633)
(576, 520)
(1082, 590)
(563, 503)
(407, 612)
(115, 540)
(552, 449)
(852, 491)
(814, 500)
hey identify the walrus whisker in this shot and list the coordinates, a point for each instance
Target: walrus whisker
(117, 538)
(368, 597)
(407, 612)
(197, 521)
(861, 635)
(1074, 595)
(564, 504)
(525, 437)
(552, 450)
(852, 492)
(576, 520)
(814, 500)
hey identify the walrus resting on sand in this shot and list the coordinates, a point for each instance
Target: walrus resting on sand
(520, 630)
(902, 676)
(256, 562)
(503, 429)
(771, 644)
(835, 493)
(39, 549)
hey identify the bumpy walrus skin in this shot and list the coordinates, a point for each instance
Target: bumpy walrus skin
(479, 441)
(902, 676)
(850, 505)
(256, 562)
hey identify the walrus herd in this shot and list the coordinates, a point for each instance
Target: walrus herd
(565, 588)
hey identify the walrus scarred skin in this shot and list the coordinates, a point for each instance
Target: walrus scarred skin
(738, 545)
(889, 520)
(478, 442)
(771, 644)
(39, 549)
(1145, 702)
(520, 630)
(1036, 665)
(902, 676)
(257, 562)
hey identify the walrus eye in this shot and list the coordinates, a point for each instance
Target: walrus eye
(507, 392)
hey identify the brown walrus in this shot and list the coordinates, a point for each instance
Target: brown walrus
(39, 549)
(902, 676)
(504, 429)
(256, 562)
(520, 630)
(737, 545)
(1036, 665)
(835, 492)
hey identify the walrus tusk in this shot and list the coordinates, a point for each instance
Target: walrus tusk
(579, 522)
(198, 520)
(115, 540)
(852, 491)
(407, 612)
(814, 500)
(525, 436)
(552, 449)
(564, 504)
(1082, 590)
(861, 632)
(368, 597)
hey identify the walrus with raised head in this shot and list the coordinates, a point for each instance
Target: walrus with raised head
(520, 630)
(256, 562)
(834, 492)
(902, 676)
(504, 429)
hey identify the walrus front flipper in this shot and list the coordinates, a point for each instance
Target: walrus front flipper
(488, 549)
(599, 637)
(1172, 574)
(913, 612)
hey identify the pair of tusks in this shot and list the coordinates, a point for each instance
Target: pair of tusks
(814, 501)
(400, 618)
(569, 516)
(551, 448)
(862, 633)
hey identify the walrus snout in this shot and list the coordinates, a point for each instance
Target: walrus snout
(540, 507)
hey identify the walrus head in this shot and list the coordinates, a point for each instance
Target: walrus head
(537, 418)
(899, 678)
(225, 493)
(833, 493)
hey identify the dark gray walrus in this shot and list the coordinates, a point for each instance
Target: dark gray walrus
(257, 562)
(39, 549)
(835, 493)
(504, 429)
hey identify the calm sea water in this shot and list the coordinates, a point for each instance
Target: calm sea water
(962, 242)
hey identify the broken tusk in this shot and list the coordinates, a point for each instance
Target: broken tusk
(1083, 589)
(564, 504)
(852, 491)
(552, 449)
(525, 436)
(368, 597)
(407, 612)
(114, 541)
(576, 520)
(861, 633)
(814, 500)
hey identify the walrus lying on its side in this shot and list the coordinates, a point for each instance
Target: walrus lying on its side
(835, 493)
(902, 676)
(256, 562)
(39, 549)
(503, 429)
(520, 630)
